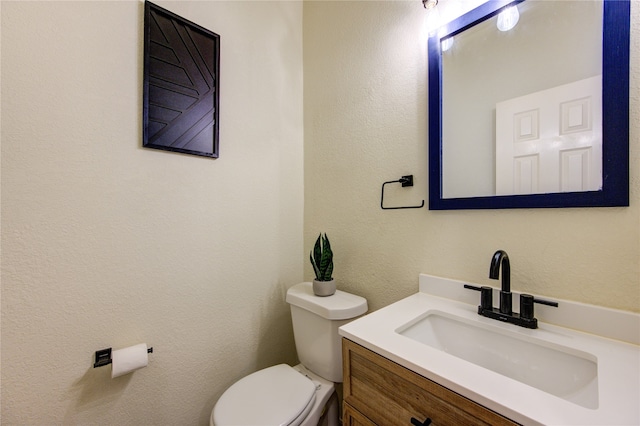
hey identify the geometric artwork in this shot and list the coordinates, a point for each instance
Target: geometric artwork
(181, 84)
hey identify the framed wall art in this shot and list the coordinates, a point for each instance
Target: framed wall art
(181, 84)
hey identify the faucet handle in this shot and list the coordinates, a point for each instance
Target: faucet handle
(526, 306)
(546, 302)
(486, 297)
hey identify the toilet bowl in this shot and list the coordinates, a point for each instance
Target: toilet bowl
(303, 394)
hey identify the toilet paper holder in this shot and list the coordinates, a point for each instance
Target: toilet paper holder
(103, 357)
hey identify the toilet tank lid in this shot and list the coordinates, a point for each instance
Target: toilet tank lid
(339, 306)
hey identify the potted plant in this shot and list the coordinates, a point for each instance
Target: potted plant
(322, 261)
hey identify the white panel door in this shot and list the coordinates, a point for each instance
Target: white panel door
(550, 141)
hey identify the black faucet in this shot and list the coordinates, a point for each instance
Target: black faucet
(505, 313)
(500, 258)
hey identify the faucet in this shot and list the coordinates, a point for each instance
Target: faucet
(500, 258)
(505, 313)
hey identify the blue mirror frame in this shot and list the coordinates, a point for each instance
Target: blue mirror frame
(615, 118)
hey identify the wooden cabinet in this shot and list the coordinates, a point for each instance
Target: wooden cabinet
(378, 391)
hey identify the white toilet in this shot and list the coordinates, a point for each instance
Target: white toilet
(304, 394)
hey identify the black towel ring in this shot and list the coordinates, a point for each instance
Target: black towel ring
(405, 181)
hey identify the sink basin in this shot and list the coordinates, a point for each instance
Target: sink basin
(565, 372)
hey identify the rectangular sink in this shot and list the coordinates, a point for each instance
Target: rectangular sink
(567, 373)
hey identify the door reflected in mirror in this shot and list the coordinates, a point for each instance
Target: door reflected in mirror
(550, 141)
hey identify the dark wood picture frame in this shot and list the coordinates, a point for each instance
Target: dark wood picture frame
(181, 84)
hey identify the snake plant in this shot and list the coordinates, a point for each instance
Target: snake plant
(322, 258)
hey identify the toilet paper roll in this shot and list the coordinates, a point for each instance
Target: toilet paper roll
(126, 360)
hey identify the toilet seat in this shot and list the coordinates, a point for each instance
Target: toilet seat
(277, 395)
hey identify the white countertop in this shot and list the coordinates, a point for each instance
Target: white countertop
(615, 347)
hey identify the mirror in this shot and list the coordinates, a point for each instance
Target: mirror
(532, 116)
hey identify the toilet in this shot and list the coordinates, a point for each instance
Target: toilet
(304, 394)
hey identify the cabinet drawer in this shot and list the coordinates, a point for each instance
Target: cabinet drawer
(389, 394)
(352, 417)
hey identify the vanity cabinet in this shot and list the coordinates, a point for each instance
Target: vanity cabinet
(378, 391)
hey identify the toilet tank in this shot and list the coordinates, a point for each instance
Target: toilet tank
(315, 327)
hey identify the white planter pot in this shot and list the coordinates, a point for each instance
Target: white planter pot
(324, 288)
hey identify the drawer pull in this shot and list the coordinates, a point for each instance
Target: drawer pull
(416, 422)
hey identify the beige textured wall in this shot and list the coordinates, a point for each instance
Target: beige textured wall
(365, 75)
(105, 243)
(108, 244)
